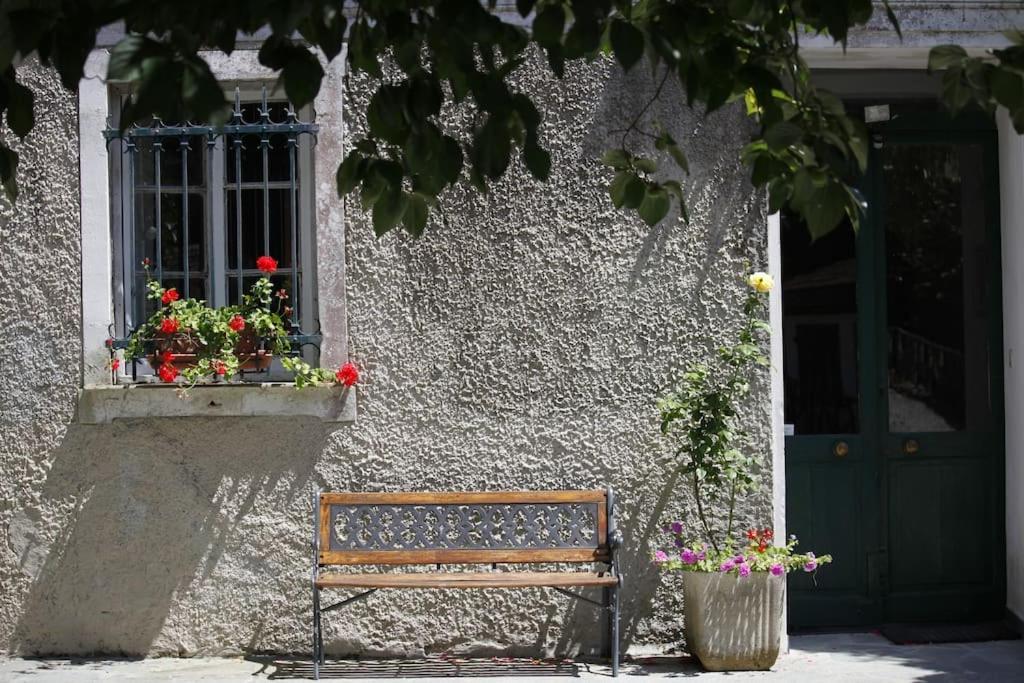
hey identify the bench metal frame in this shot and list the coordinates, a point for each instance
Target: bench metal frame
(468, 528)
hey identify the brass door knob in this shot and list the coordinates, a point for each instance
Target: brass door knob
(841, 449)
(910, 446)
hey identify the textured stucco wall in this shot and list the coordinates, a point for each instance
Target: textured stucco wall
(519, 344)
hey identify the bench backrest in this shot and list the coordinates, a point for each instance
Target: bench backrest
(462, 528)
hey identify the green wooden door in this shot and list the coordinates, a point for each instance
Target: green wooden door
(892, 366)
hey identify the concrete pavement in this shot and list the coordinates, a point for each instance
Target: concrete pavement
(835, 658)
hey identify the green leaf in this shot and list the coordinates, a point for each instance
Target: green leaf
(524, 7)
(628, 43)
(492, 148)
(617, 189)
(891, 16)
(385, 114)
(549, 25)
(824, 208)
(302, 76)
(556, 59)
(616, 158)
(9, 172)
(20, 118)
(945, 56)
(537, 160)
(645, 165)
(388, 210)
(782, 134)
(363, 50)
(655, 205)
(451, 159)
(1008, 88)
(350, 173)
(635, 191)
(126, 55)
(416, 213)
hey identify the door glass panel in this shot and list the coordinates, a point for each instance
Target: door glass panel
(819, 299)
(936, 287)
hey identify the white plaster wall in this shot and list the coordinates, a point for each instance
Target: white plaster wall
(520, 344)
(1011, 180)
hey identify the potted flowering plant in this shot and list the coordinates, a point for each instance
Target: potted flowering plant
(733, 589)
(188, 339)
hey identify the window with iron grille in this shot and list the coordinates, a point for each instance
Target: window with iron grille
(198, 204)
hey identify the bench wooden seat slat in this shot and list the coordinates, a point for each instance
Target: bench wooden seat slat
(496, 579)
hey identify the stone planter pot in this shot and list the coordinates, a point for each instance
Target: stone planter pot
(733, 623)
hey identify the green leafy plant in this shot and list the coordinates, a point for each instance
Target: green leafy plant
(701, 416)
(190, 339)
(464, 52)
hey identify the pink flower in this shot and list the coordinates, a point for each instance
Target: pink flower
(688, 556)
(777, 570)
(811, 563)
(739, 559)
(677, 527)
(744, 569)
(726, 566)
(660, 556)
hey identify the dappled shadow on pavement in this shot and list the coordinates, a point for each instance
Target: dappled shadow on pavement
(450, 667)
(423, 668)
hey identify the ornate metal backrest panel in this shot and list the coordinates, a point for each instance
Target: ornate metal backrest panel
(427, 528)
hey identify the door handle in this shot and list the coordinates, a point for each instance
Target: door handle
(840, 449)
(910, 447)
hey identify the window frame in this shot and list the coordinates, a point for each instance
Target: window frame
(101, 282)
(215, 190)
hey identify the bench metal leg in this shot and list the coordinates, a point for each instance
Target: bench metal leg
(613, 628)
(318, 642)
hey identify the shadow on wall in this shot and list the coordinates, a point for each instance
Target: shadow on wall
(719, 195)
(146, 510)
(641, 580)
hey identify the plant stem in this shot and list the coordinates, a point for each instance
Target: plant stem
(700, 512)
(732, 507)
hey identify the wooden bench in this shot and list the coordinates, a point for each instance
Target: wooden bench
(521, 527)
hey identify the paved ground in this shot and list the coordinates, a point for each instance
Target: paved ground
(842, 658)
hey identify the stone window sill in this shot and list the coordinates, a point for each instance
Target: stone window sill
(100, 404)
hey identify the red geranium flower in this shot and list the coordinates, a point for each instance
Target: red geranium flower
(169, 296)
(110, 342)
(237, 323)
(115, 364)
(219, 367)
(169, 326)
(347, 374)
(752, 534)
(267, 264)
(167, 372)
(167, 357)
(769, 534)
(281, 294)
(147, 262)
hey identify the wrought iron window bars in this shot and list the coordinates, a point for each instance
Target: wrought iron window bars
(259, 151)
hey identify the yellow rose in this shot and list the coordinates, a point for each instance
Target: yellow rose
(762, 282)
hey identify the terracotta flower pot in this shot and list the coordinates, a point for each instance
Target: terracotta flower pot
(250, 356)
(733, 623)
